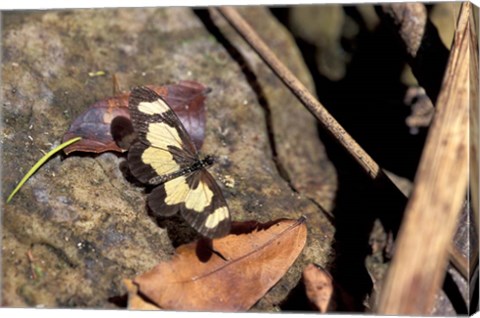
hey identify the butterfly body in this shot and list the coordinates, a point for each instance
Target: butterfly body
(197, 165)
(165, 156)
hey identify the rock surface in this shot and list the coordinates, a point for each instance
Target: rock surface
(78, 227)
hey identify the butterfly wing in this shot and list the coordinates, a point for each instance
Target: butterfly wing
(204, 205)
(200, 200)
(168, 198)
(163, 147)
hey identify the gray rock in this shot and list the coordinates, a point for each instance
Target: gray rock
(83, 225)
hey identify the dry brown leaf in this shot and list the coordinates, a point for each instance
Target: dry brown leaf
(135, 301)
(95, 125)
(318, 287)
(227, 274)
(323, 293)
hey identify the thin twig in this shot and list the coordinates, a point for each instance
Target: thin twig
(418, 267)
(302, 93)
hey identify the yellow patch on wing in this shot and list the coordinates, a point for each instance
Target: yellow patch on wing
(152, 108)
(199, 198)
(216, 217)
(161, 160)
(176, 190)
(162, 135)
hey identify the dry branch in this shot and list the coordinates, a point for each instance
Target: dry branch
(474, 145)
(474, 132)
(419, 264)
(302, 93)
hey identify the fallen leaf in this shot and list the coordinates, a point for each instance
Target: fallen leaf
(318, 287)
(324, 293)
(94, 125)
(226, 274)
(111, 117)
(135, 301)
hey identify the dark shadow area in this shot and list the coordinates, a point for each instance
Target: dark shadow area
(296, 299)
(473, 305)
(431, 58)
(368, 103)
(127, 174)
(119, 301)
(474, 294)
(204, 249)
(454, 295)
(122, 132)
(355, 211)
(178, 230)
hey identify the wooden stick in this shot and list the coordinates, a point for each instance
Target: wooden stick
(314, 106)
(418, 266)
(474, 133)
(302, 93)
(474, 145)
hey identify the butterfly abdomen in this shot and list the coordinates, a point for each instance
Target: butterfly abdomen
(197, 165)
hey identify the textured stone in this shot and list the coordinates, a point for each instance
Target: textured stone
(84, 224)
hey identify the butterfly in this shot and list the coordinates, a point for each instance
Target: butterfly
(165, 156)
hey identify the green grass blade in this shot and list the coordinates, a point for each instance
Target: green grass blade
(40, 163)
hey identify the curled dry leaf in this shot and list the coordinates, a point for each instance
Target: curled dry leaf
(227, 274)
(318, 287)
(324, 294)
(111, 116)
